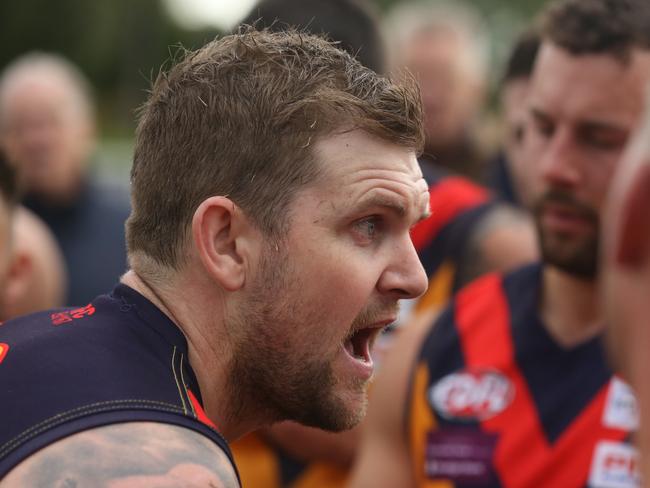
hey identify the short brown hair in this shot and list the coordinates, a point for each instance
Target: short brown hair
(237, 118)
(598, 26)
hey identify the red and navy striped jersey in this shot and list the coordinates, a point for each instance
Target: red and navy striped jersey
(118, 359)
(496, 402)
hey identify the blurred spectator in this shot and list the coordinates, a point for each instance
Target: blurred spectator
(8, 192)
(446, 47)
(48, 133)
(351, 23)
(509, 175)
(626, 284)
(37, 277)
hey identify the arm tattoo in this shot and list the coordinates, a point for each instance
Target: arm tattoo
(135, 454)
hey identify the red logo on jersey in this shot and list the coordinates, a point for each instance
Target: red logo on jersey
(4, 348)
(472, 394)
(60, 318)
(615, 464)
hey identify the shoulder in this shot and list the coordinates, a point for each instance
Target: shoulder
(128, 454)
(95, 364)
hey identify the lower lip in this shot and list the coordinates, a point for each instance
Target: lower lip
(360, 369)
(565, 222)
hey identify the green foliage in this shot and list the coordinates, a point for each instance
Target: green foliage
(119, 44)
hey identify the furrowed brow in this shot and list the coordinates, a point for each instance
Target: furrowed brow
(389, 203)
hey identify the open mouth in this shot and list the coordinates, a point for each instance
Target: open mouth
(359, 343)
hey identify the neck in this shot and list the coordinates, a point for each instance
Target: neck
(569, 307)
(209, 349)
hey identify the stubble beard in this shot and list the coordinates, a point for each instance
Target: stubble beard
(575, 256)
(269, 377)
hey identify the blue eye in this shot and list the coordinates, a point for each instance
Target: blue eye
(368, 228)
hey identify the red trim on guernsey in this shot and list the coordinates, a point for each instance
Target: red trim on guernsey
(200, 413)
(523, 455)
(447, 199)
(4, 348)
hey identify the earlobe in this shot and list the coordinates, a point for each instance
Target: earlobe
(215, 231)
(633, 240)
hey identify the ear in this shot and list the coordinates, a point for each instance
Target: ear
(633, 239)
(18, 279)
(219, 231)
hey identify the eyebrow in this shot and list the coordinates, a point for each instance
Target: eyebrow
(389, 203)
(582, 124)
(538, 114)
(392, 204)
(597, 126)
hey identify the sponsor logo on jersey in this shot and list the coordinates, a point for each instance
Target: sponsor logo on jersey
(60, 318)
(461, 455)
(471, 394)
(4, 348)
(621, 409)
(615, 465)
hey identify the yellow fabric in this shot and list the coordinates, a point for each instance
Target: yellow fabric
(321, 475)
(257, 463)
(259, 467)
(439, 290)
(421, 421)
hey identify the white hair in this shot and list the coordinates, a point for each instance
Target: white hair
(410, 19)
(43, 66)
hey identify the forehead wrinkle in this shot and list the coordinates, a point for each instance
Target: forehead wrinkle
(388, 174)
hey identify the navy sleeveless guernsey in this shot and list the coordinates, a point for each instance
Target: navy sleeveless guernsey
(118, 359)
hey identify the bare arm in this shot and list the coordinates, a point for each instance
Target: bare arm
(133, 455)
(383, 459)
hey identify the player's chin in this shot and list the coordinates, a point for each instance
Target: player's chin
(353, 403)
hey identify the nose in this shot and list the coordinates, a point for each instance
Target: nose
(404, 277)
(558, 161)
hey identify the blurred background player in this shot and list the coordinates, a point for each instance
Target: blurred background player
(47, 131)
(626, 277)
(446, 47)
(508, 174)
(550, 412)
(8, 196)
(37, 276)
